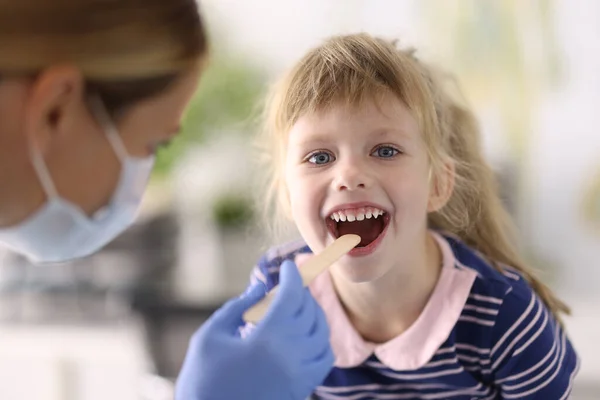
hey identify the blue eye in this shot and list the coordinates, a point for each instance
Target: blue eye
(385, 152)
(320, 158)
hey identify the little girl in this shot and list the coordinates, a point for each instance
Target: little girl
(435, 302)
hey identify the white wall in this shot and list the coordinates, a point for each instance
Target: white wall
(567, 153)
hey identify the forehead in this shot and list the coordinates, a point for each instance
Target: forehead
(163, 111)
(381, 116)
(176, 97)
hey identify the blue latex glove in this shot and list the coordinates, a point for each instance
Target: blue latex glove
(285, 357)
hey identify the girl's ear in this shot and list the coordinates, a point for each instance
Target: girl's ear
(442, 186)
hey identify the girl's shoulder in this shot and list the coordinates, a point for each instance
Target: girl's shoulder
(490, 280)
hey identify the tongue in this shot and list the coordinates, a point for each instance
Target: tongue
(368, 229)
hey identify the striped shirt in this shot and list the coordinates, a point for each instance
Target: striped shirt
(483, 334)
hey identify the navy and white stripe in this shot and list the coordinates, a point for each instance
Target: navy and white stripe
(505, 344)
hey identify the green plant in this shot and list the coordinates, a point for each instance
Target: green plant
(232, 211)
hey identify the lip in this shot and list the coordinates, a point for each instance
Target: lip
(354, 206)
(371, 247)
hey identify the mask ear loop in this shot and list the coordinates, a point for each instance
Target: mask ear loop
(112, 135)
(42, 172)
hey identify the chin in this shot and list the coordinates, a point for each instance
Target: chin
(359, 276)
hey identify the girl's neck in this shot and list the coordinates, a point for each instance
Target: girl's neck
(383, 309)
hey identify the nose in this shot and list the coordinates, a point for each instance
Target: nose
(351, 175)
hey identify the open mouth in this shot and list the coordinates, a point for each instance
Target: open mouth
(367, 222)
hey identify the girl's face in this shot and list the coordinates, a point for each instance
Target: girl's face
(361, 170)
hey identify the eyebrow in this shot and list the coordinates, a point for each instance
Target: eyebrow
(321, 138)
(383, 132)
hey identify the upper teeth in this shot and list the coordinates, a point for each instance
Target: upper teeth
(356, 215)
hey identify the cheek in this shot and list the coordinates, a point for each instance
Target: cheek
(137, 139)
(304, 196)
(74, 163)
(408, 191)
(141, 130)
(301, 196)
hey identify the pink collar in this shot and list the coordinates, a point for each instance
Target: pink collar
(415, 347)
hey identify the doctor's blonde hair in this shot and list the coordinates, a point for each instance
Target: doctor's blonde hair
(127, 50)
(349, 69)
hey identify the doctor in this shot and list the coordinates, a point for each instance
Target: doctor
(89, 90)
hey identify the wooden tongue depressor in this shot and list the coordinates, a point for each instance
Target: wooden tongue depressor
(309, 271)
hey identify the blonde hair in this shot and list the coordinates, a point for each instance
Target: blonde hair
(127, 50)
(349, 69)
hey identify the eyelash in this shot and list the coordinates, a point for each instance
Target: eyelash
(387, 146)
(315, 153)
(163, 145)
(376, 149)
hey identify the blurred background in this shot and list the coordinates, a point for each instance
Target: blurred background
(116, 325)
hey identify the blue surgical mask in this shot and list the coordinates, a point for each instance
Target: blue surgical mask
(60, 230)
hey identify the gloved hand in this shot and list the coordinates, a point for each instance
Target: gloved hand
(285, 357)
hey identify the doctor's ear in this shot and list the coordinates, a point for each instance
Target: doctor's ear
(55, 104)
